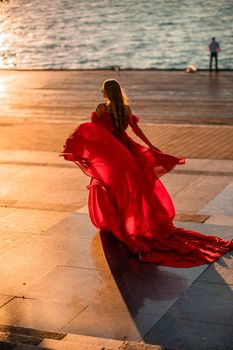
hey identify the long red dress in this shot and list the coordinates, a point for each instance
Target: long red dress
(127, 198)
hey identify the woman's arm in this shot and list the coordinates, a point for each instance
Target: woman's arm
(133, 122)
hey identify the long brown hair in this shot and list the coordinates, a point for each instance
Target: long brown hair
(118, 103)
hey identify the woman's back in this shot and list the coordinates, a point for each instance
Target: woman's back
(104, 117)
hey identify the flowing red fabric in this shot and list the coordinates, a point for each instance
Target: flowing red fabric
(127, 198)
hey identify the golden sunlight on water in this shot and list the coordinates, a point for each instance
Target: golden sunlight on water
(11, 35)
(141, 34)
(7, 59)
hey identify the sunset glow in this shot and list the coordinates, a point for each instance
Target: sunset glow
(103, 34)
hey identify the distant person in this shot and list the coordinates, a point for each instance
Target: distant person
(214, 50)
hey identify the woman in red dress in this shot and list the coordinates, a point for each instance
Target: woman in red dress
(126, 196)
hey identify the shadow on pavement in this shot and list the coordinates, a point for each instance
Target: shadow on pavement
(202, 318)
(198, 317)
(145, 288)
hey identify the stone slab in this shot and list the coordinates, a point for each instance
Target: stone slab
(5, 211)
(146, 290)
(77, 284)
(79, 342)
(29, 220)
(32, 157)
(206, 302)
(35, 257)
(83, 210)
(99, 321)
(220, 220)
(11, 240)
(207, 165)
(5, 344)
(25, 338)
(221, 165)
(196, 195)
(225, 261)
(225, 232)
(39, 314)
(8, 340)
(194, 164)
(85, 340)
(220, 272)
(222, 203)
(75, 225)
(63, 345)
(181, 333)
(191, 218)
(88, 254)
(201, 319)
(176, 183)
(191, 273)
(142, 346)
(27, 347)
(51, 186)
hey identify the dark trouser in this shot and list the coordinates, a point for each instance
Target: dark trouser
(215, 55)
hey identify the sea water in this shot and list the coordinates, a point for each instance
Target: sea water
(87, 34)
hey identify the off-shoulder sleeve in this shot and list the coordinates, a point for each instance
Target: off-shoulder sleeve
(135, 118)
(97, 115)
(94, 117)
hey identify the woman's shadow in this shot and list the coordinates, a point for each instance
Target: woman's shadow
(145, 287)
(151, 290)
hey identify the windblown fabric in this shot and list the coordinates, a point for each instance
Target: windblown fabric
(127, 197)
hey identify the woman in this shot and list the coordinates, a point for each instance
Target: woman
(126, 196)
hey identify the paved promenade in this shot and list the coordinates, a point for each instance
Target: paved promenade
(64, 286)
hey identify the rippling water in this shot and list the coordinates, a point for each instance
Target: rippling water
(63, 34)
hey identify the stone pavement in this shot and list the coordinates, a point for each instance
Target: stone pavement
(193, 141)
(183, 114)
(64, 286)
(58, 275)
(156, 96)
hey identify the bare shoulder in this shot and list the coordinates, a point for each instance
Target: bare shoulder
(100, 110)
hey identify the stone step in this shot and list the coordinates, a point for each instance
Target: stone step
(27, 347)
(18, 338)
(7, 345)
(79, 342)
(63, 345)
(12, 337)
(76, 342)
(90, 341)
